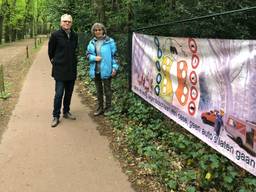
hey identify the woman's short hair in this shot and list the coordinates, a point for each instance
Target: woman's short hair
(98, 25)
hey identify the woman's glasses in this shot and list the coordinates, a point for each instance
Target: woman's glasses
(97, 30)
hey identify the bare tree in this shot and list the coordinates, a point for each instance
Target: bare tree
(223, 72)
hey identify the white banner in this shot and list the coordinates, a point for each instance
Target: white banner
(205, 85)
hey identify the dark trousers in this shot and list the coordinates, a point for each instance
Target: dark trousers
(217, 127)
(103, 87)
(62, 88)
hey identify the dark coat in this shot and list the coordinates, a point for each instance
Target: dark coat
(63, 55)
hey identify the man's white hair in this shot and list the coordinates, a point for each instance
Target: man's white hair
(66, 17)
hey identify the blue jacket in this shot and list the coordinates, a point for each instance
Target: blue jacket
(107, 52)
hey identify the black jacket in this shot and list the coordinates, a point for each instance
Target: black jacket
(62, 53)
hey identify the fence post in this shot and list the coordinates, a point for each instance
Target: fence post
(27, 51)
(2, 88)
(130, 33)
(35, 41)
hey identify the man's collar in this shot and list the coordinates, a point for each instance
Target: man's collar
(67, 31)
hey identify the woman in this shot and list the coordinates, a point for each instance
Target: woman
(101, 52)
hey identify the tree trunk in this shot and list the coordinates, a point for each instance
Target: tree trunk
(7, 33)
(31, 28)
(20, 34)
(6, 7)
(13, 34)
(173, 4)
(1, 28)
(100, 11)
(130, 16)
(115, 5)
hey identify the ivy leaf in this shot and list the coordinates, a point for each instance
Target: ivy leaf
(191, 189)
(172, 184)
(250, 181)
(228, 179)
(208, 176)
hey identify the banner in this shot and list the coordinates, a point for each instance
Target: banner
(206, 85)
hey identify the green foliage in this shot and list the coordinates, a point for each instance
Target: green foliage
(166, 151)
(180, 161)
(5, 94)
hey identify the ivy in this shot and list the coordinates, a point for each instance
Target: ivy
(179, 160)
(165, 150)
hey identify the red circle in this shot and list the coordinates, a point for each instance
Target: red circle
(194, 61)
(193, 79)
(193, 97)
(192, 108)
(192, 45)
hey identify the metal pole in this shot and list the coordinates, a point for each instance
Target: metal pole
(130, 59)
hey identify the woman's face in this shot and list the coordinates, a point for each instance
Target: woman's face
(98, 32)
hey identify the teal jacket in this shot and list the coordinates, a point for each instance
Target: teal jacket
(108, 61)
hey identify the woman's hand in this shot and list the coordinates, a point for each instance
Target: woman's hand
(97, 58)
(113, 72)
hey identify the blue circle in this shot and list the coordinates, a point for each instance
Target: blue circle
(157, 90)
(158, 78)
(159, 53)
(158, 66)
(156, 41)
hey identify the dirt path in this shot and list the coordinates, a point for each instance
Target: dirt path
(13, 50)
(15, 64)
(72, 157)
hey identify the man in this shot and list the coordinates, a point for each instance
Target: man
(218, 122)
(62, 53)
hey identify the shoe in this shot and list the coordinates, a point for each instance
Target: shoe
(68, 115)
(98, 112)
(107, 111)
(55, 121)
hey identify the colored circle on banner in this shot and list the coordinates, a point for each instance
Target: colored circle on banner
(157, 90)
(182, 70)
(193, 77)
(159, 53)
(192, 108)
(195, 61)
(193, 93)
(158, 78)
(156, 41)
(158, 66)
(192, 45)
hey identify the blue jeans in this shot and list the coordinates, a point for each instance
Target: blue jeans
(62, 88)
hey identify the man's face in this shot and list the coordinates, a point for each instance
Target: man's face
(66, 23)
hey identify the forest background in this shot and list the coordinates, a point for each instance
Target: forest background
(161, 154)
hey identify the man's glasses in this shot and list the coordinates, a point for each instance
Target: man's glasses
(67, 21)
(97, 30)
